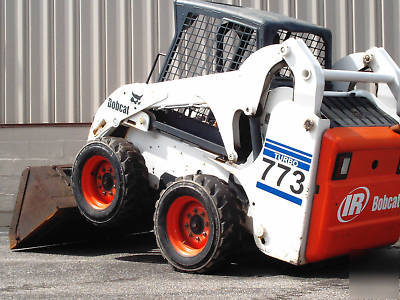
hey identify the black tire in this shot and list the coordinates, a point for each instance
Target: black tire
(180, 222)
(110, 182)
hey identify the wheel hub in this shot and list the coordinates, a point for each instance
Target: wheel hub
(108, 181)
(98, 182)
(188, 225)
(196, 224)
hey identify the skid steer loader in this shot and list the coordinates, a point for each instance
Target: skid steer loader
(249, 129)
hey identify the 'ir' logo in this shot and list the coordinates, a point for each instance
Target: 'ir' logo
(353, 204)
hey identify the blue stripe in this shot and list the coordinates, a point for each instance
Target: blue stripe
(291, 148)
(301, 165)
(279, 193)
(269, 153)
(287, 152)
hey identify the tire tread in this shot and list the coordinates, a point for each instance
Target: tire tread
(229, 215)
(135, 176)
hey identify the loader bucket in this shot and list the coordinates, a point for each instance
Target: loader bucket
(45, 211)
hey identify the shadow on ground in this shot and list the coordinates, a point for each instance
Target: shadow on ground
(142, 248)
(108, 244)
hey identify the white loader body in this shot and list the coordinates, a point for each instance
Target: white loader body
(280, 182)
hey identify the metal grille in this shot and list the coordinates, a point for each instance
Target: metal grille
(314, 42)
(208, 45)
(352, 111)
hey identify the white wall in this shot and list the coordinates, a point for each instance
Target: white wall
(24, 146)
(59, 59)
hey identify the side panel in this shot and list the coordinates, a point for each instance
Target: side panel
(363, 210)
(166, 154)
(280, 183)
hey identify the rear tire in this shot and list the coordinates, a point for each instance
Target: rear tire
(110, 181)
(195, 221)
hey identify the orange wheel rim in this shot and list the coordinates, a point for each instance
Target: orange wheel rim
(188, 226)
(98, 182)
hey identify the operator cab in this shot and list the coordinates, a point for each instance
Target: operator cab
(215, 38)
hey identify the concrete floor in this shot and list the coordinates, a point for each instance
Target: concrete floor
(134, 268)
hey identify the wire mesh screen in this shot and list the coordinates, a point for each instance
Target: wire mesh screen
(208, 45)
(314, 42)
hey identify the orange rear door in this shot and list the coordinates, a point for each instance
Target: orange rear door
(357, 203)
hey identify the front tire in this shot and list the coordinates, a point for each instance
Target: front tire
(195, 221)
(110, 181)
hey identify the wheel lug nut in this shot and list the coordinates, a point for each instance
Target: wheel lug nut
(195, 210)
(202, 214)
(191, 234)
(110, 170)
(207, 224)
(104, 193)
(197, 238)
(110, 193)
(204, 234)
